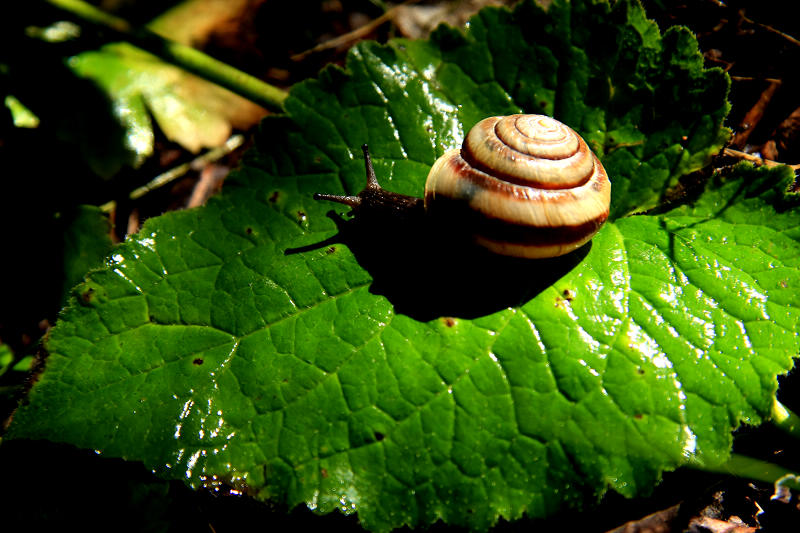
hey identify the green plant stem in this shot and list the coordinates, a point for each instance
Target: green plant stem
(186, 57)
(785, 420)
(755, 469)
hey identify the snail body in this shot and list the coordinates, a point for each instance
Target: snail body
(522, 185)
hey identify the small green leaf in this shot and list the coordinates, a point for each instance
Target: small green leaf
(259, 343)
(87, 242)
(22, 116)
(24, 365)
(190, 111)
(6, 358)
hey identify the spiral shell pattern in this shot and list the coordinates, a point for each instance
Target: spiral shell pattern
(525, 185)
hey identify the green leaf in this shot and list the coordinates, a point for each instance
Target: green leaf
(87, 242)
(259, 343)
(25, 364)
(22, 116)
(190, 111)
(6, 358)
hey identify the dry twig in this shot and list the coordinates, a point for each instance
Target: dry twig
(753, 117)
(354, 35)
(756, 159)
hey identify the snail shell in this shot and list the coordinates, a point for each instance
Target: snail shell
(524, 185)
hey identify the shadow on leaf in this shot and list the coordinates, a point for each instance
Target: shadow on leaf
(427, 271)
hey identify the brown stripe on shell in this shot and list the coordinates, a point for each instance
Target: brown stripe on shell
(497, 229)
(510, 201)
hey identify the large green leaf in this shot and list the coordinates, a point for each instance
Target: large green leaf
(261, 343)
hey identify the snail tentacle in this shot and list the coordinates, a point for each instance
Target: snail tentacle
(374, 200)
(354, 201)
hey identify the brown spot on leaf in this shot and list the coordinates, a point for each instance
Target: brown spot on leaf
(324, 472)
(274, 196)
(248, 230)
(86, 295)
(330, 250)
(568, 296)
(198, 361)
(449, 321)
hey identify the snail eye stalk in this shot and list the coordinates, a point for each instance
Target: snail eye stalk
(374, 199)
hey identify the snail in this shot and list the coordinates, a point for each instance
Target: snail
(521, 185)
